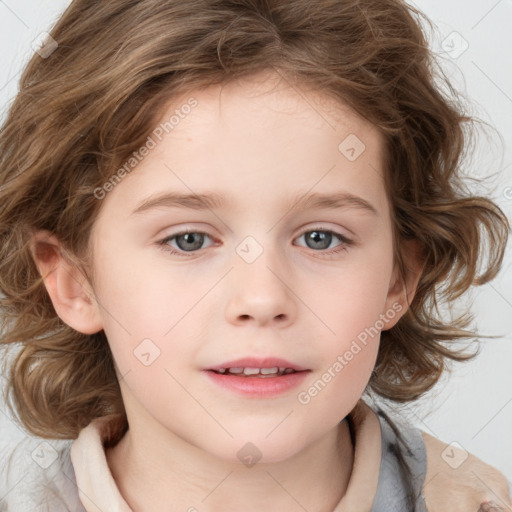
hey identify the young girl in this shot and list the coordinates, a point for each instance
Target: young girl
(306, 154)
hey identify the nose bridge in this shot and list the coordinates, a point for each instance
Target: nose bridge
(260, 259)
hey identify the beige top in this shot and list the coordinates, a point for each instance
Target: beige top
(98, 490)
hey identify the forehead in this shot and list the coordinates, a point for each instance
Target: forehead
(259, 140)
(268, 100)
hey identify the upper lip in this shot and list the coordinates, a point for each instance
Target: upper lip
(255, 362)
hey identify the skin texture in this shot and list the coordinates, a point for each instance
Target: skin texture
(258, 143)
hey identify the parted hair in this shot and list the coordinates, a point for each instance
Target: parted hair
(81, 111)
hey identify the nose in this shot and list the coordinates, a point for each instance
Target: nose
(261, 292)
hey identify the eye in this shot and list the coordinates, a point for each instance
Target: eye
(320, 239)
(192, 241)
(186, 241)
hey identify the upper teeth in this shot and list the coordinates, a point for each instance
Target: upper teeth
(255, 371)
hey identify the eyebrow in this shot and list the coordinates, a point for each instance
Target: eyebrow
(212, 201)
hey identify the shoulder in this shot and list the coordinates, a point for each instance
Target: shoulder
(459, 481)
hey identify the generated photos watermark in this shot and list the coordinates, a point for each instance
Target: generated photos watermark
(151, 143)
(304, 397)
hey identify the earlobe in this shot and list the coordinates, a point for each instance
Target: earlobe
(403, 288)
(69, 291)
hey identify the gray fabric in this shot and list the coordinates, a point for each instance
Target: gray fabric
(26, 486)
(393, 483)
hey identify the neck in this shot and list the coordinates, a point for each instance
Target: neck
(172, 474)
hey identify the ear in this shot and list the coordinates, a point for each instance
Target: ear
(69, 291)
(402, 288)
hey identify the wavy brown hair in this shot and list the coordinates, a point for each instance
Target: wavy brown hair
(82, 111)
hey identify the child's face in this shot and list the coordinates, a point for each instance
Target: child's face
(257, 283)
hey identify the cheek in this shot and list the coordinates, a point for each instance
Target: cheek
(147, 297)
(351, 299)
(352, 310)
(348, 359)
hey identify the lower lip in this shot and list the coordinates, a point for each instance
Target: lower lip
(262, 387)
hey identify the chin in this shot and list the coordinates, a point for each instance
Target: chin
(244, 451)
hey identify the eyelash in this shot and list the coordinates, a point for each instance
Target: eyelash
(345, 242)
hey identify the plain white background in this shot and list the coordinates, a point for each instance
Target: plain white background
(473, 405)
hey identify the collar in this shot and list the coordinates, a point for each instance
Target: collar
(98, 490)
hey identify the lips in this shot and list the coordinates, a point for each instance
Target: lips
(253, 377)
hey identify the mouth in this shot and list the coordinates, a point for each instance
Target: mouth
(258, 377)
(257, 367)
(262, 373)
